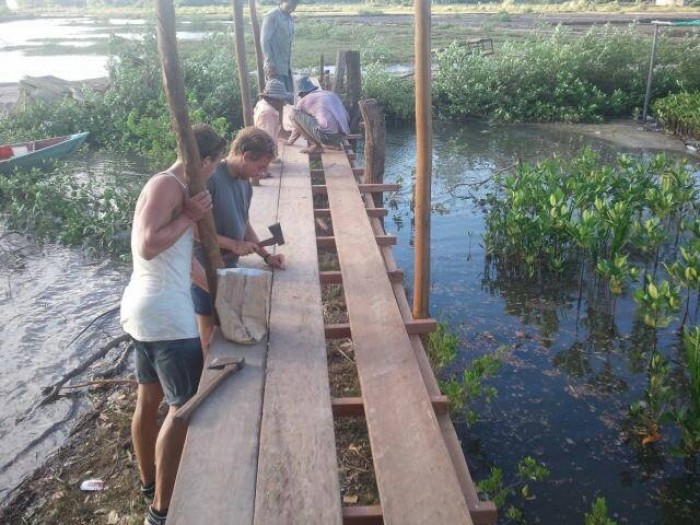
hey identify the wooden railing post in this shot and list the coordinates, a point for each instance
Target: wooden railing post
(174, 87)
(375, 141)
(239, 44)
(354, 88)
(339, 78)
(424, 146)
(258, 46)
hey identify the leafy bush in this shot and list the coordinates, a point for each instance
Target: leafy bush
(560, 77)
(680, 113)
(397, 96)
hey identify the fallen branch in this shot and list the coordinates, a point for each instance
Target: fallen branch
(479, 184)
(117, 366)
(51, 392)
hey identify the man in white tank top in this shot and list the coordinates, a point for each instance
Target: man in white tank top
(157, 312)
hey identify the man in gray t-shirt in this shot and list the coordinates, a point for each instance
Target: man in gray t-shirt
(231, 192)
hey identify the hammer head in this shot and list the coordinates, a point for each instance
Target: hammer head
(276, 231)
(222, 362)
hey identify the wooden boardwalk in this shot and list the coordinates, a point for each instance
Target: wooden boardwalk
(261, 449)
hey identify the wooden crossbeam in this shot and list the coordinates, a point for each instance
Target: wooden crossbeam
(353, 406)
(413, 327)
(382, 240)
(363, 515)
(320, 189)
(371, 212)
(336, 277)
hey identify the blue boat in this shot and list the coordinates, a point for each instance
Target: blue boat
(33, 154)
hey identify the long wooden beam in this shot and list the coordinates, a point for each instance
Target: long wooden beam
(374, 212)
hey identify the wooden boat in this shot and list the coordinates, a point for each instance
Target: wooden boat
(34, 153)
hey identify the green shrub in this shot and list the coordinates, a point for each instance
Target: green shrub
(679, 113)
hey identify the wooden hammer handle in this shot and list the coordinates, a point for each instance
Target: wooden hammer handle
(184, 413)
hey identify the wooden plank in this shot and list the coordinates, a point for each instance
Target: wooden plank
(297, 470)
(407, 446)
(336, 277)
(218, 470)
(353, 406)
(220, 455)
(482, 512)
(413, 327)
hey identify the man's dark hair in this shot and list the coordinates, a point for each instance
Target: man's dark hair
(255, 141)
(209, 142)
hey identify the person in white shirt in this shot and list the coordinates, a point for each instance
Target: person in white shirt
(266, 114)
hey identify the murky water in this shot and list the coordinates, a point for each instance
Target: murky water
(57, 46)
(569, 370)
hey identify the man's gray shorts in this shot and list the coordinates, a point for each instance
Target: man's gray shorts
(177, 365)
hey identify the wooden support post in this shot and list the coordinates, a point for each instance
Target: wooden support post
(174, 86)
(650, 75)
(375, 142)
(424, 145)
(322, 73)
(239, 44)
(259, 60)
(339, 79)
(354, 89)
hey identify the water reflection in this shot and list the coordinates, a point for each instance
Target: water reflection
(575, 357)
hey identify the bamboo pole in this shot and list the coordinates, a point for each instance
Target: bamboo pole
(650, 76)
(421, 278)
(259, 60)
(239, 43)
(174, 87)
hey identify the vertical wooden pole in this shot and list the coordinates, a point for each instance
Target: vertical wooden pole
(424, 145)
(174, 86)
(239, 42)
(375, 141)
(321, 74)
(354, 91)
(650, 76)
(339, 79)
(258, 46)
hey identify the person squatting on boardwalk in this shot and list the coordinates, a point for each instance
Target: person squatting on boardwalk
(277, 35)
(266, 114)
(231, 192)
(320, 117)
(157, 312)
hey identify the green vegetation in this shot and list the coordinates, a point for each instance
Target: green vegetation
(680, 113)
(561, 77)
(629, 225)
(70, 208)
(598, 514)
(502, 492)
